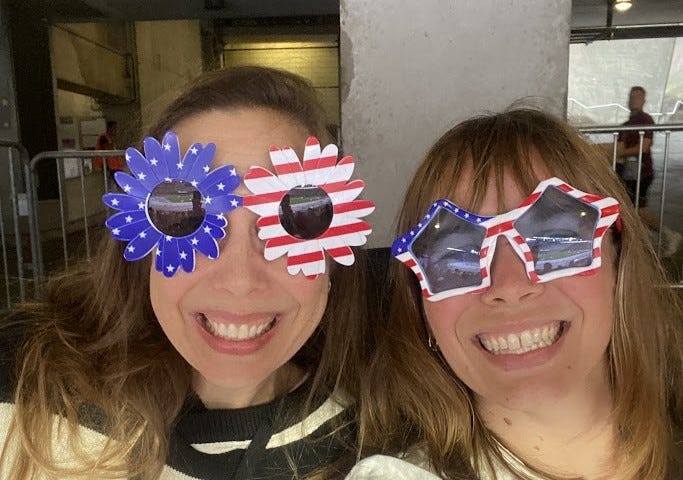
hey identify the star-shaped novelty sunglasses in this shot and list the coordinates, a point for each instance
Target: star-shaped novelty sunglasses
(557, 232)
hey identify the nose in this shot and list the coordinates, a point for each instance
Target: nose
(509, 281)
(240, 268)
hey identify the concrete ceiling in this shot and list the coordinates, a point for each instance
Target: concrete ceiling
(593, 13)
(585, 13)
(593, 20)
(129, 10)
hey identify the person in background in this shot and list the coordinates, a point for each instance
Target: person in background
(107, 141)
(628, 148)
(627, 152)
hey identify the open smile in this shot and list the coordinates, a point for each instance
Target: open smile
(237, 332)
(519, 343)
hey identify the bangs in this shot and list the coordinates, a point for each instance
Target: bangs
(503, 146)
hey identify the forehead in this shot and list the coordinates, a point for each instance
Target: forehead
(496, 198)
(242, 136)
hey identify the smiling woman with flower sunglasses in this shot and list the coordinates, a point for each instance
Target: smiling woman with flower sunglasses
(532, 335)
(211, 337)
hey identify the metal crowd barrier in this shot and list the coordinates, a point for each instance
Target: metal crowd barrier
(641, 129)
(12, 149)
(34, 226)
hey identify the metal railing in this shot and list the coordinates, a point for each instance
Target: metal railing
(84, 224)
(12, 148)
(34, 227)
(667, 130)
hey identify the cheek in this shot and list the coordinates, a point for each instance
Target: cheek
(594, 296)
(316, 295)
(165, 295)
(156, 290)
(443, 319)
(309, 295)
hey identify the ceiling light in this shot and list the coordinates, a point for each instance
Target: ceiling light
(622, 5)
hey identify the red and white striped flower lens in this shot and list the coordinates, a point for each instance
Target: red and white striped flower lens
(307, 209)
(557, 232)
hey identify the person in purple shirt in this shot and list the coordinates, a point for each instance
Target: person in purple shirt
(628, 148)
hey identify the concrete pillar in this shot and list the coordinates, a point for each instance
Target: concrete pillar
(410, 70)
(169, 57)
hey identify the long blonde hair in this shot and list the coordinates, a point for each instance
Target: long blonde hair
(412, 396)
(95, 355)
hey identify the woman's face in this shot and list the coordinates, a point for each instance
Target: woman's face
(572, 315)
(239, 318)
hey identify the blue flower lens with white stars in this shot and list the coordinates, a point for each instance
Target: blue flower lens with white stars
(174, 205)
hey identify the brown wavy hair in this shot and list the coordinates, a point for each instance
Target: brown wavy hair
(413, 398)
(95, 354)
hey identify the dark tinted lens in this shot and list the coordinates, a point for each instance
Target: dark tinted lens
(559, 230)
(306, 212)
(175, 208)
(448, 252)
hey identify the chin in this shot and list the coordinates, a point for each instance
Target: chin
(235, 376)
(528, 395)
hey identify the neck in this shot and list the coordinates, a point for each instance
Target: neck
(573, 435)
(216, 397)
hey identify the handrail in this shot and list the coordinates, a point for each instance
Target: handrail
(75, 154)
(624, 109)
(673, 127)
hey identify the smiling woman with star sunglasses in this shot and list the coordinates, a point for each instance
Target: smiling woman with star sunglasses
(532, 335)
(220, 331)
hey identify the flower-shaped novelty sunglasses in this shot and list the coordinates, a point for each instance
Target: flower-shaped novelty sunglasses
(176, 206)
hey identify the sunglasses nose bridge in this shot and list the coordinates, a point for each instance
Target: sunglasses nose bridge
(240, 264)
(509, 280)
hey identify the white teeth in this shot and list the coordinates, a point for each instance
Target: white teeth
(231, 332)
(236, 332)
(538, 337)
(527, 339)
(521, 342)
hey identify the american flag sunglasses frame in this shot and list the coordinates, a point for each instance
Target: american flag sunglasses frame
(319, 168)
(503, 224)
